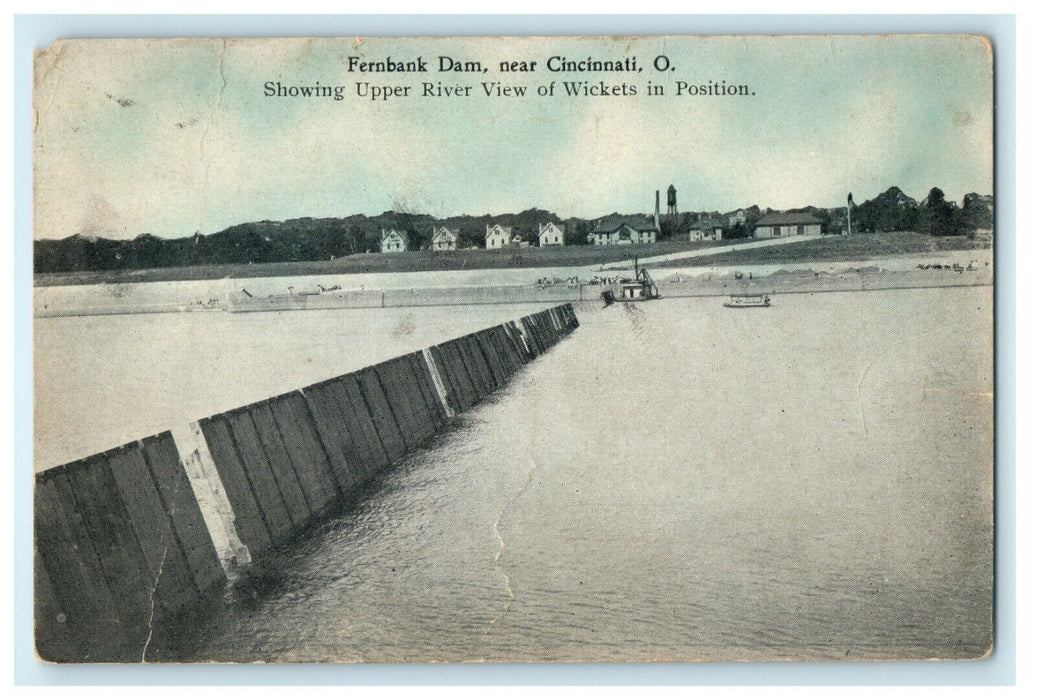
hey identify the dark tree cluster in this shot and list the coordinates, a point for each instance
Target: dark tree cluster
(280, 241)
(935, 215)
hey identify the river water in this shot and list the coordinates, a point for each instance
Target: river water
(102, 381)
(674, 481)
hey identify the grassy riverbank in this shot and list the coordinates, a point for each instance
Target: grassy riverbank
(411, 261)
(861, 247)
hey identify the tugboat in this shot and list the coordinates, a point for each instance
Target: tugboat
(641, 288)
(748, 301)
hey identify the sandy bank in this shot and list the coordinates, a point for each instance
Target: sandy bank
(896, 273)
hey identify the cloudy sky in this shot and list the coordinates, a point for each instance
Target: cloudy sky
(172, 137)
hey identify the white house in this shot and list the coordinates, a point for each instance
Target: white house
(623, 230)
(394, 241)
(550, 234)
(498, 236)
(781, 224)
(707, 229)
(444, 238)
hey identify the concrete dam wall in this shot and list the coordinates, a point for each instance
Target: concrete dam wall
(141, 539)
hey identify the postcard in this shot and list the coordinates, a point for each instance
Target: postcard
(658, 348)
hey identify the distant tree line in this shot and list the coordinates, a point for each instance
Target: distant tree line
(312, 239)
(894, 211)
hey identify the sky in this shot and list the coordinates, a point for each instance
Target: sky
(170, 137)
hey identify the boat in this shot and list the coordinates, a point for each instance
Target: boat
(641, 288)
(748, 301)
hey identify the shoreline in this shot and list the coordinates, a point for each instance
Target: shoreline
(801, 281)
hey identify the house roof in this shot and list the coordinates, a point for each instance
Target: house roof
(401, 234)
(613, 223)
(780, 218)
(707, 224)
(506, 230)
(546, 227)
(438, 231)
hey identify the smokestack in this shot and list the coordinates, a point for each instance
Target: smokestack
(657, 209)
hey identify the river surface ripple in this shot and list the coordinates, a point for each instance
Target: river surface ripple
(675, 481)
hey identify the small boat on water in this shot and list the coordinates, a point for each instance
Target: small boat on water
(747, 301)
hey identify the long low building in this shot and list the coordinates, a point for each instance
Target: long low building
(782, 224)
(624, 230)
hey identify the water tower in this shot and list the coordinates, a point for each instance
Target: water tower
(671, 204)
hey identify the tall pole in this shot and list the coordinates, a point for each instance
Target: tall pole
(849, 203)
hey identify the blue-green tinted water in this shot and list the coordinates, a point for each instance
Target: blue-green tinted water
(676, 481)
